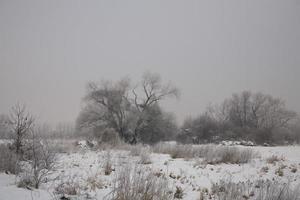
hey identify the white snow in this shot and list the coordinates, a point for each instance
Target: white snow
(191, 175)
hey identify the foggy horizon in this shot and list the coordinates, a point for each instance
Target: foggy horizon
(208, 49)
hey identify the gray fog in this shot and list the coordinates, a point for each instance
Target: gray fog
(210, 49)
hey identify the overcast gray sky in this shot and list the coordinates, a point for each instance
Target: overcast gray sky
(208, 48)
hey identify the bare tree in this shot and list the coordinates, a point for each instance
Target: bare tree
(21, 123)
(153, 91)
(41, 159)
(122, 107)
(113, 102)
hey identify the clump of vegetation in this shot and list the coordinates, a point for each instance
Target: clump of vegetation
(230, 155)
(273, 159)
(265, 169)
(260, 190)
(228, 190)
(293, 168)
(211, 154)
(178, 193)
(94, 182)
(279, 171)
(68, 187)
(138, 183)
(9, 162)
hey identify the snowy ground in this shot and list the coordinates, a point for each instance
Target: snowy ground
(190, 175)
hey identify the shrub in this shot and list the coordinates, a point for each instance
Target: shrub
(68, 187)
(228, 190)
(178, 193)
(137, 183)
(93, 183)
(8, 160)
(273, 159)
(40, 162)
(265, 169)
(26, 181)
(279, 171)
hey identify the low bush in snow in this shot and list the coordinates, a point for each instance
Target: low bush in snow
(273, 159)
(137, 183)
(68, 187)
(232, 155)
(38, 162)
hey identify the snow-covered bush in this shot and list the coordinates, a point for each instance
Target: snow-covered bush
(39, 161)
(138, 183)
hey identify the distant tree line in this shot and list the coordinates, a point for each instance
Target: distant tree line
(132, 112)
(247, 116)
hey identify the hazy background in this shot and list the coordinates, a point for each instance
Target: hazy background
(209, 49)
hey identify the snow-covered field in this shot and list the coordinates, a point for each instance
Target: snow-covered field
(85, 169)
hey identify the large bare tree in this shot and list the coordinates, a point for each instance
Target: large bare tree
(111, 99)
(122, 107)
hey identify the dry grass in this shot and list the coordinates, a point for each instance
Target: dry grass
(273, 159)
(138, 183)
(259, 190)
(68, 187)
(211, 154)
(145, 157)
